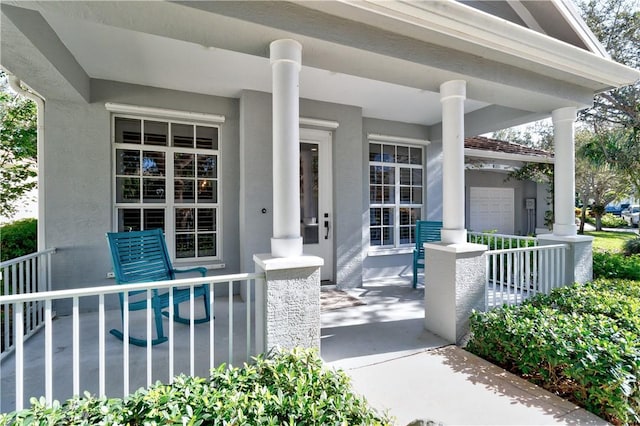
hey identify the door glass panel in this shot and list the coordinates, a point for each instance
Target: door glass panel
(182, 135)
(128, 220)
(155, 133)
(309, 193)
(127, 130)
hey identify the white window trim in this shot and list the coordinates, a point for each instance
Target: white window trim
(163, 113)
(169, 176)
(397, 248)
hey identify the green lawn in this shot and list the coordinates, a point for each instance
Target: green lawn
(610, 240)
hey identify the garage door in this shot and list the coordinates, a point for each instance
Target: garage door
(491, 209)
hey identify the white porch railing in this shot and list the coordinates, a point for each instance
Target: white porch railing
(24, 275)
(95, 361)
(500, 241)
(516, 274)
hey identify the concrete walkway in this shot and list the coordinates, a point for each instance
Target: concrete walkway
(413, 374)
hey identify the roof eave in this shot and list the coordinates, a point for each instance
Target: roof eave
(479, 153)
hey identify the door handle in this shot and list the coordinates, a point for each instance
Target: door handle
(326, 226)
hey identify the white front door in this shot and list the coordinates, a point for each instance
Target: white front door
(491, 209)
(316, 199)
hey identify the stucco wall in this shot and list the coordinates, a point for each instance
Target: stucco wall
(78, 199)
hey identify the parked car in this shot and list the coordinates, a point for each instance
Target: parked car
(616, 209)
(632, 215)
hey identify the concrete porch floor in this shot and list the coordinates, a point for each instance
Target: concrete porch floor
(403, 369)
(382, 346)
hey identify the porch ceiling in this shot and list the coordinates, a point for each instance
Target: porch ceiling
(220, 48)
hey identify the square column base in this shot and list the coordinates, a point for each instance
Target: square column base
(288, 302)
(454, 285)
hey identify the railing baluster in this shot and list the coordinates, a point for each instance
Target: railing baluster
(149, 294)
(125, 343)
(230, 322)
(192, 327)
(211, 325)
(19, 332)
(172, 342)
(48, 353)
(101, 348)
(76, 347)
(5, 307)
(248, 307)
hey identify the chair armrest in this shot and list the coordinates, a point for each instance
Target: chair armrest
(200, 269)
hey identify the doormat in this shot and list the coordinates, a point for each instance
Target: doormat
(337, 299)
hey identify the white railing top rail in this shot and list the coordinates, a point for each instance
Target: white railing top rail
(523, 249)
(26, 257)
(119, 288)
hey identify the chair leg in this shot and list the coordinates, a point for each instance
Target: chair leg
(160, 337)
(180, 319)
(415, 275)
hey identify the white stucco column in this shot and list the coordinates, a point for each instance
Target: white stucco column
(564, 172)
(452, 96)
(286, 60)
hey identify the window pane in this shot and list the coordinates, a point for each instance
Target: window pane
(155, 133)
(405, 216)
(182, 135)
(184, 165)
(376, 236)
(403, 154)
(389, 175)
(185, 219)
(207, 191)
(206, 137)
(375, 151)
(405, 176)
(416, 214)
(206, 245)
(127, 190)
(128, 220)
(387, 236)
(387, 216)
(128, 162)
(206, 220)
(185, 245)
(389, 195)
(375, 194)
(375, 216)
(416, 155)
(153, 163)
(389, 153)
(184, 190)
(405, 195)
(405, 235)
(207, 166)
(153, 190)
(417, 196)
(153, 219)
(375, 174)
(127, 130)
(416, 179)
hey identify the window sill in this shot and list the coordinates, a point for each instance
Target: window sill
(389, 251)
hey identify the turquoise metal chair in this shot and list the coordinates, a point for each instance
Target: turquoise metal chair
(426, 232)
(142, 256)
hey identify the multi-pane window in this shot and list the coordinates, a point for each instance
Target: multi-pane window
(166, 176)
(395, 193)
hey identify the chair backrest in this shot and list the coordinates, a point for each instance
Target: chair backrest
(427, 231)
(140, 256)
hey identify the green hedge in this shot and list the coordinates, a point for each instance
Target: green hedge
(609, 221)
(616, 265)
(18, 238)
(581, 342)
(289, 388)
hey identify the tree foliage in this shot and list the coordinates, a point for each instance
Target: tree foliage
(18, 145)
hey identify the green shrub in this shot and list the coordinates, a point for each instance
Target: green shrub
(612, 221)
(18, 238)
(632, 246)
(616, 265)
(581, 342)
(289, 388)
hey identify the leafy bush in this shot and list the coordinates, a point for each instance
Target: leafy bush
(18, 238)
(616, 265)
(632, 246)
(289, 388)
(608, 221)
(581, 342)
